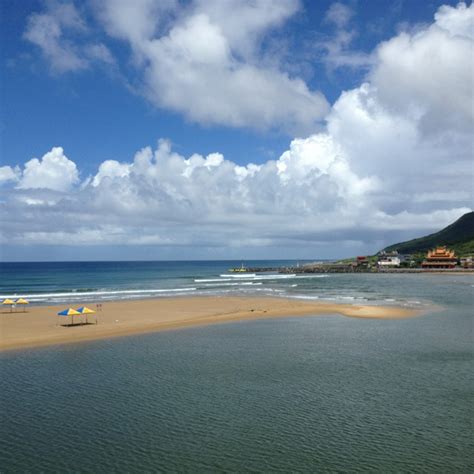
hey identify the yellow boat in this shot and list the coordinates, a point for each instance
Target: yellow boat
(240, 269)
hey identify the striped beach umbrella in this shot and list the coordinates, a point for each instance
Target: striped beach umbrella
(69, 312)
(85, 310)
(9, 302)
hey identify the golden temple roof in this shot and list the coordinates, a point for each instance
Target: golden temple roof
(441, 253)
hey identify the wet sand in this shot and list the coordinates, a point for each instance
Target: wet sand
(40, 325)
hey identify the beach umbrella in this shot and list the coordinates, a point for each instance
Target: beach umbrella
(22, 301)
(69, 312)
(9, 302)
(85, 310)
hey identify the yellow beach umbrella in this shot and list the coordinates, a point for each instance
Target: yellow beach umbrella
(10, 302)
(85, 310)
(22, 301)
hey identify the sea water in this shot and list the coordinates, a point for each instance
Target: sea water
(88, 282)
(322, 394)
(62, 282)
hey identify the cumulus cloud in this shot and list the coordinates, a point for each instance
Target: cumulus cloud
(7, 173)
(111, 169)
(458, 21)
(310, 194)
(377, 173)
(54, 171)
(432, 71)
(411, 123)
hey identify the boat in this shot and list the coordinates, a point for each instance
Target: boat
(240, 269)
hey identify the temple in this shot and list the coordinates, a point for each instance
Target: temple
(440, 257)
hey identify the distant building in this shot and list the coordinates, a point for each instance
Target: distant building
(408, 260)
(467, 262)
(440, 257)
(362, 261)
(389, 261)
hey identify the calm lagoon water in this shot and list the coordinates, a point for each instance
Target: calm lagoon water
(323, 394)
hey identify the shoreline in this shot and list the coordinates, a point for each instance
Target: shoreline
(344, 269)
(38, 326)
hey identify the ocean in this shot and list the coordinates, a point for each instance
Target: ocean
(89, 282)
(323, 394)
(60, 282)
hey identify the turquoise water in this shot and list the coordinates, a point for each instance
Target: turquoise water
(323, 394)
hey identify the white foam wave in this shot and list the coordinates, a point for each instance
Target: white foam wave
(240, 283)
(211, 280)
(79, 295)
(304, 297)
(328, 298)
(312, 276)
(254, 277)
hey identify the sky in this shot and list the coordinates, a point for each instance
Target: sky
(232, 129)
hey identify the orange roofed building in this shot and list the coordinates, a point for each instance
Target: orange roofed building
(440, 257)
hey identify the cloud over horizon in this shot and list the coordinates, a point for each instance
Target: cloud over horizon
(394, 157)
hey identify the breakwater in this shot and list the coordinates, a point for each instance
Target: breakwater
(349, 268)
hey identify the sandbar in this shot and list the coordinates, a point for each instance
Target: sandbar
(40, 325)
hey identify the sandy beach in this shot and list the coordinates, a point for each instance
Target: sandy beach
(40, 325)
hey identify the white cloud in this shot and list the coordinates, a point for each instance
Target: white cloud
(337, 49)
(111, 169)
(46, 31)
(204, 60)
(54, 171)
(339, 14)
(54, 33)
(378, 173)
(207, 63)
(457, 21)
(412, 122)
(7, 173)
(134, 21)
(309, 194)
(244, 23)
(432, 71)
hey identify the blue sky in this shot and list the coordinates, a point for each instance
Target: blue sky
(86, 112)
(280, 85)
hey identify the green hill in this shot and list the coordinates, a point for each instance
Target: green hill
(459, 236)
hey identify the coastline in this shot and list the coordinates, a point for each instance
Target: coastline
(39, 325)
